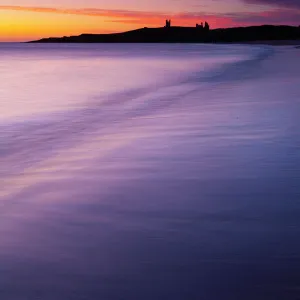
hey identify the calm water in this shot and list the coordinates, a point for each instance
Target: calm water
(149, 172)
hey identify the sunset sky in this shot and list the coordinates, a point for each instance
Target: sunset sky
(22, 20)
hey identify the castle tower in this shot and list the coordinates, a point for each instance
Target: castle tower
(168, 23)
(206, 26)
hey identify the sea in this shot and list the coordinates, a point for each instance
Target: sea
(149, 171)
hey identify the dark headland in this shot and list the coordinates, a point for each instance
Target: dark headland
(198, 34)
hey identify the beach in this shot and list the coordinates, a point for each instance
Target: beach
(149, 172)
(277, 43)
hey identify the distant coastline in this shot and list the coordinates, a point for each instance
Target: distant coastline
(265, 34)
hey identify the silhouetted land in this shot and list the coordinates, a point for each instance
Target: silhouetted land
(188, 35)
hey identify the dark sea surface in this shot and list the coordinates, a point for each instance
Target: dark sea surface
(149, 172)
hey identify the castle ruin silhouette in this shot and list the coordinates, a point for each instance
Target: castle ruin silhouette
(201, 26)
(168, 24)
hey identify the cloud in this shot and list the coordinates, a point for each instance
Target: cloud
(97, 12)
(126, 16)
(143, 18)
(283, 16)
(275, 17)
(280, 3)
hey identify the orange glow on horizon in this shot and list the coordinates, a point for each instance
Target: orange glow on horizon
(24, 26)
(23, 23)
(34, 23)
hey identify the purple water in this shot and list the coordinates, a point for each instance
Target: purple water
(149, 172)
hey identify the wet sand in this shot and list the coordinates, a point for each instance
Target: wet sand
(183, 191)
(276, 43)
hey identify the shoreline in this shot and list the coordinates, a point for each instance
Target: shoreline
(264, 34)
(295, 43)
(275, 43)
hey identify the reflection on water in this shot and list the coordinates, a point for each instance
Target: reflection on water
(149, 172)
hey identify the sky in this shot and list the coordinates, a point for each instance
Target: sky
(22, 20)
